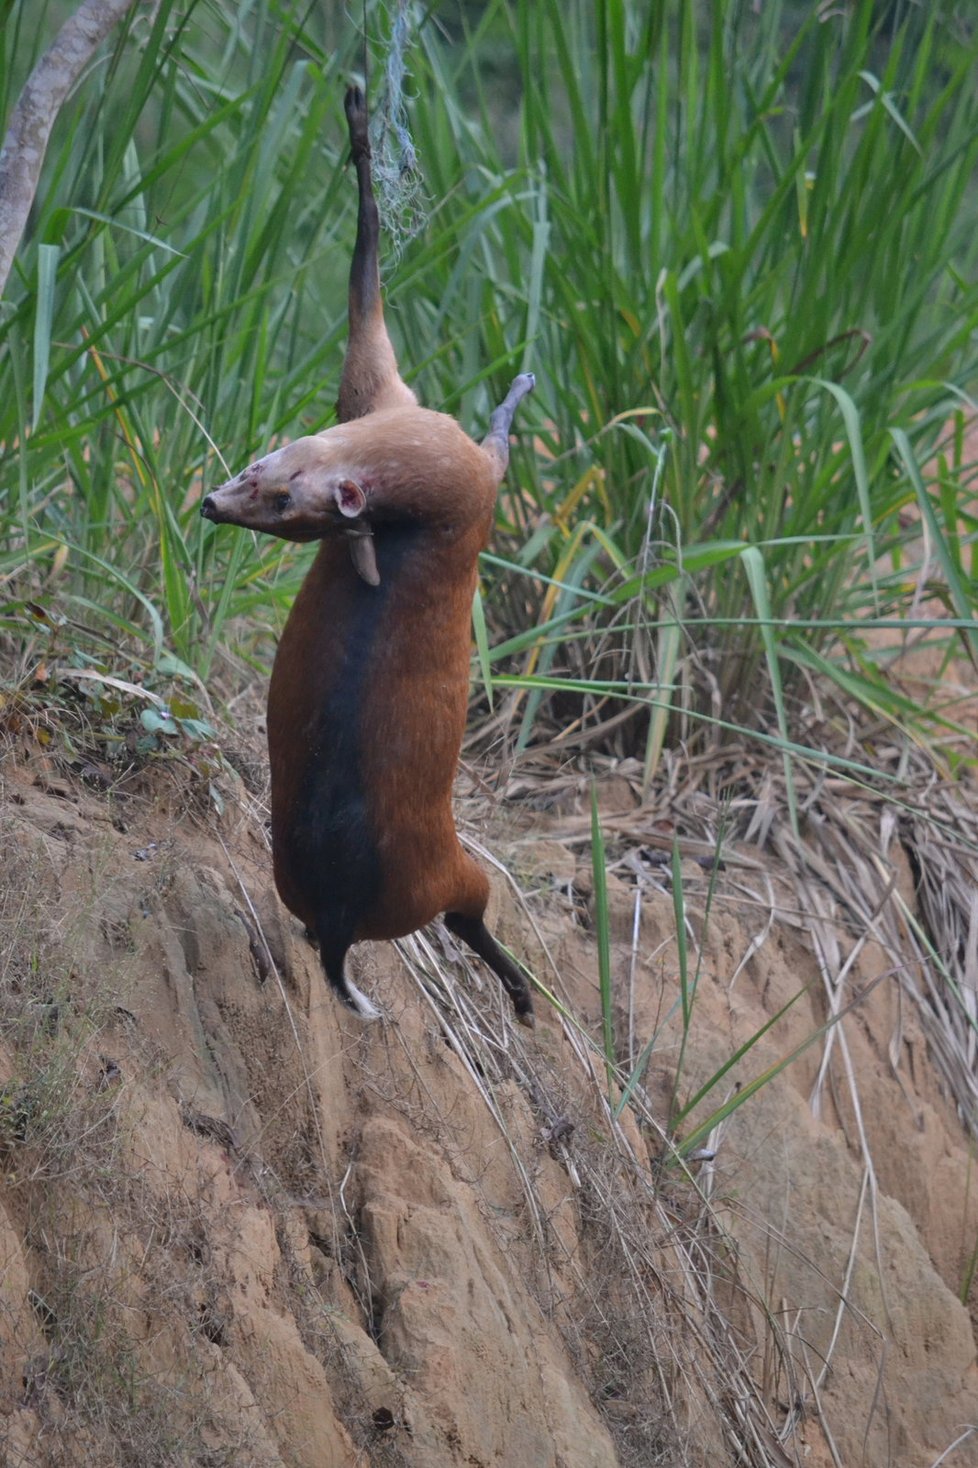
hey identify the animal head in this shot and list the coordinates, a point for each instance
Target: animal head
(403, 463)
(300, 492)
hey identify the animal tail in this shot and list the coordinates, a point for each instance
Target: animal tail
(332, 955)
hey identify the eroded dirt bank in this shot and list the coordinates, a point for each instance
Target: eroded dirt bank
(239, 1227)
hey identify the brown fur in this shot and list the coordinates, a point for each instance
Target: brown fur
(381, 669)
(417, 694)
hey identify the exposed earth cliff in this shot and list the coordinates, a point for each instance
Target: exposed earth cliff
(238, 1226)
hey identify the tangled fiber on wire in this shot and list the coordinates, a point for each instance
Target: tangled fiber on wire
(398, 180)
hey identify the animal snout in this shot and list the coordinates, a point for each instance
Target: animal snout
(208, 508)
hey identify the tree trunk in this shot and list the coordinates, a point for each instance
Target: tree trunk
(36, 109)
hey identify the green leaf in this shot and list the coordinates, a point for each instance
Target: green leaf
(158, 721)
(602, 926)
(47, 276)
(482, 643)
(753, 563)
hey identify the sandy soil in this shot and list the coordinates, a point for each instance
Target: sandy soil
(238, 1226)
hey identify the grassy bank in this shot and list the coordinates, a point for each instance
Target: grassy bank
(735, 247)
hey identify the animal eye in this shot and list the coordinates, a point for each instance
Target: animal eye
(282, 502)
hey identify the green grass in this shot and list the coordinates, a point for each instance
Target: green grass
(736, 249)
(749, 245)
(734, 242)
(182, 299)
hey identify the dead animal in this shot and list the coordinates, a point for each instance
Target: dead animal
(367, 702)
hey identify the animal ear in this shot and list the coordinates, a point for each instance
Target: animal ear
(350, 498)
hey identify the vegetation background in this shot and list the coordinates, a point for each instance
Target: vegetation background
(736, 244)
(735, 241)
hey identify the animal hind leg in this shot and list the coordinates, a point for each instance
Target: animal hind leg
(474, 932)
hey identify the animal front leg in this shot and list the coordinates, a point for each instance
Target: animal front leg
(496, 441)
(364, 298)
(370, 377)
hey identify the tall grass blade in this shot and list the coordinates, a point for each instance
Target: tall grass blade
(47, 275)
(602, 926)
(753, 563)
(962, 600)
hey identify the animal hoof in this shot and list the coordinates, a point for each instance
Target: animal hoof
(355, 105)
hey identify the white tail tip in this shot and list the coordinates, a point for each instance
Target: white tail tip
(359, 1001)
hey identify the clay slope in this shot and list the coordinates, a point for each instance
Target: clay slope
(240, 1227)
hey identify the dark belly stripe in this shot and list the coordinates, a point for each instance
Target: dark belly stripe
(333, 852)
